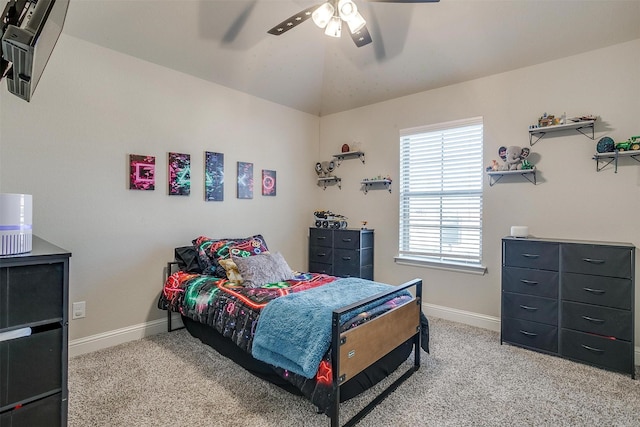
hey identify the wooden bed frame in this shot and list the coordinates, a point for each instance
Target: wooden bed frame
(355, 349)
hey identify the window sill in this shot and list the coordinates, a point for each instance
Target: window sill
(448, 266)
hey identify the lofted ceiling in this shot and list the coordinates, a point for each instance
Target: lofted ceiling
(416, 47)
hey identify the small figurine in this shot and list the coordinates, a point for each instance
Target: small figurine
(364, 225)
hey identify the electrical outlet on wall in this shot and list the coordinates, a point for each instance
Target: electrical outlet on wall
(78, 310)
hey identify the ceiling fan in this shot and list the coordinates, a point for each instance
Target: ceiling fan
(331, 14)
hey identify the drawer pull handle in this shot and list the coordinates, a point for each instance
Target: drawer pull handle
(526, 307)
(593, 261)
(529, 282)
(529, 334)
(346, 240)
(597, 350)
(322, 254)
(346, 258)
(593, 319)
(321, 237)
(595, 291)
(531, 255)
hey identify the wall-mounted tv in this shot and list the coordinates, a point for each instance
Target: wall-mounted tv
(29, 31)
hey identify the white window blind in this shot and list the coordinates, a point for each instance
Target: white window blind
(441, 192)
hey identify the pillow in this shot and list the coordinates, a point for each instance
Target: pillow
(187, 259)
(232, 271)
(210, 251)
(262, 269)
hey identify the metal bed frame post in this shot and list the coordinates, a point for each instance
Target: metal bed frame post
(336, 342)
(170, 266)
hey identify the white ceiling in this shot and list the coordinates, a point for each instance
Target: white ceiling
(416, 47)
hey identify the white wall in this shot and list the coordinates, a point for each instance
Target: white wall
(69, 147)
(571, 199)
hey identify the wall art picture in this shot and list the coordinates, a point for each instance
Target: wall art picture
(213, 176)
(142, 172)
(268, 182)
(245, 180)
(179, 174)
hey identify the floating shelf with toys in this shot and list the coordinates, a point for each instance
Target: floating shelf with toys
(547, 124)
(515, 163)
(376, 184)
(528, 174)
(348, 155)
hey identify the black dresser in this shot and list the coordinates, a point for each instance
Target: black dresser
(33, 368)
(574, 299)
(342, 252)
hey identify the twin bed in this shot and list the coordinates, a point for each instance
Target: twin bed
(323, 337)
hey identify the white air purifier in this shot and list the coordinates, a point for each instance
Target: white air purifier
(16, 212)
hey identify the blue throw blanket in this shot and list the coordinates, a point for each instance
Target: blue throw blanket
(294, 331)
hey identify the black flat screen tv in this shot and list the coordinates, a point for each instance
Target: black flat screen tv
(30, 30)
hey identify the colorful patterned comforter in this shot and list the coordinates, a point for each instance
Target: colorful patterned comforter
(233, 310)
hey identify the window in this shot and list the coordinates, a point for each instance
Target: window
(441, 195)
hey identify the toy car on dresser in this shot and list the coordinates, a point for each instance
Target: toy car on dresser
(327, 219)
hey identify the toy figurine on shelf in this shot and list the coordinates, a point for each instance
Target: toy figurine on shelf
(364, 225)
(493, 167)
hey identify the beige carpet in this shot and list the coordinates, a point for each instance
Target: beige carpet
(468, 380)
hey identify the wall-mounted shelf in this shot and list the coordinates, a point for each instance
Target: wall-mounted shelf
(613, 157)
(330, 180)
(528, 174)
(580, 127)
(348, 155)
(375, 184)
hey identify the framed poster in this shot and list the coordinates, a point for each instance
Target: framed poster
(142, 172)
(179, 174)
(213, 176)
(245, 180)
(268, 182)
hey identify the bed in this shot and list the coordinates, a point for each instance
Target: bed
(320, 336)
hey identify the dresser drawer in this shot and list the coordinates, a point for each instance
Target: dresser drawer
(596, 259)
(529, 307)
(32, 365)
(533, 282)
(321, 237)
(31, 294)
(319, 267)
(609, 322)
(320, 254)
(346, 239)
(595, 350)
(346, 259)
(531, 254)
(606, 291)
(530, 334)
(45, 412)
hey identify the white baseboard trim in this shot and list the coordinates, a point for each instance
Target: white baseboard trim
(136, 332)
(467, 317)
(478, 320)
(119, 336)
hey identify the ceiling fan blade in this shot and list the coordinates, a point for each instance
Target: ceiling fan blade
(361, 37)
(403, 1)
(294, 21)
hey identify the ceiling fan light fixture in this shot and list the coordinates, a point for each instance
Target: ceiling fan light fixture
(323, 14)
(347, 9)
(356, 23)
(334, 27)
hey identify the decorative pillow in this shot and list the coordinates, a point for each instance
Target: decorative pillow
(187, 259)
(262, 269)
(232, 271)
(210, 251)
